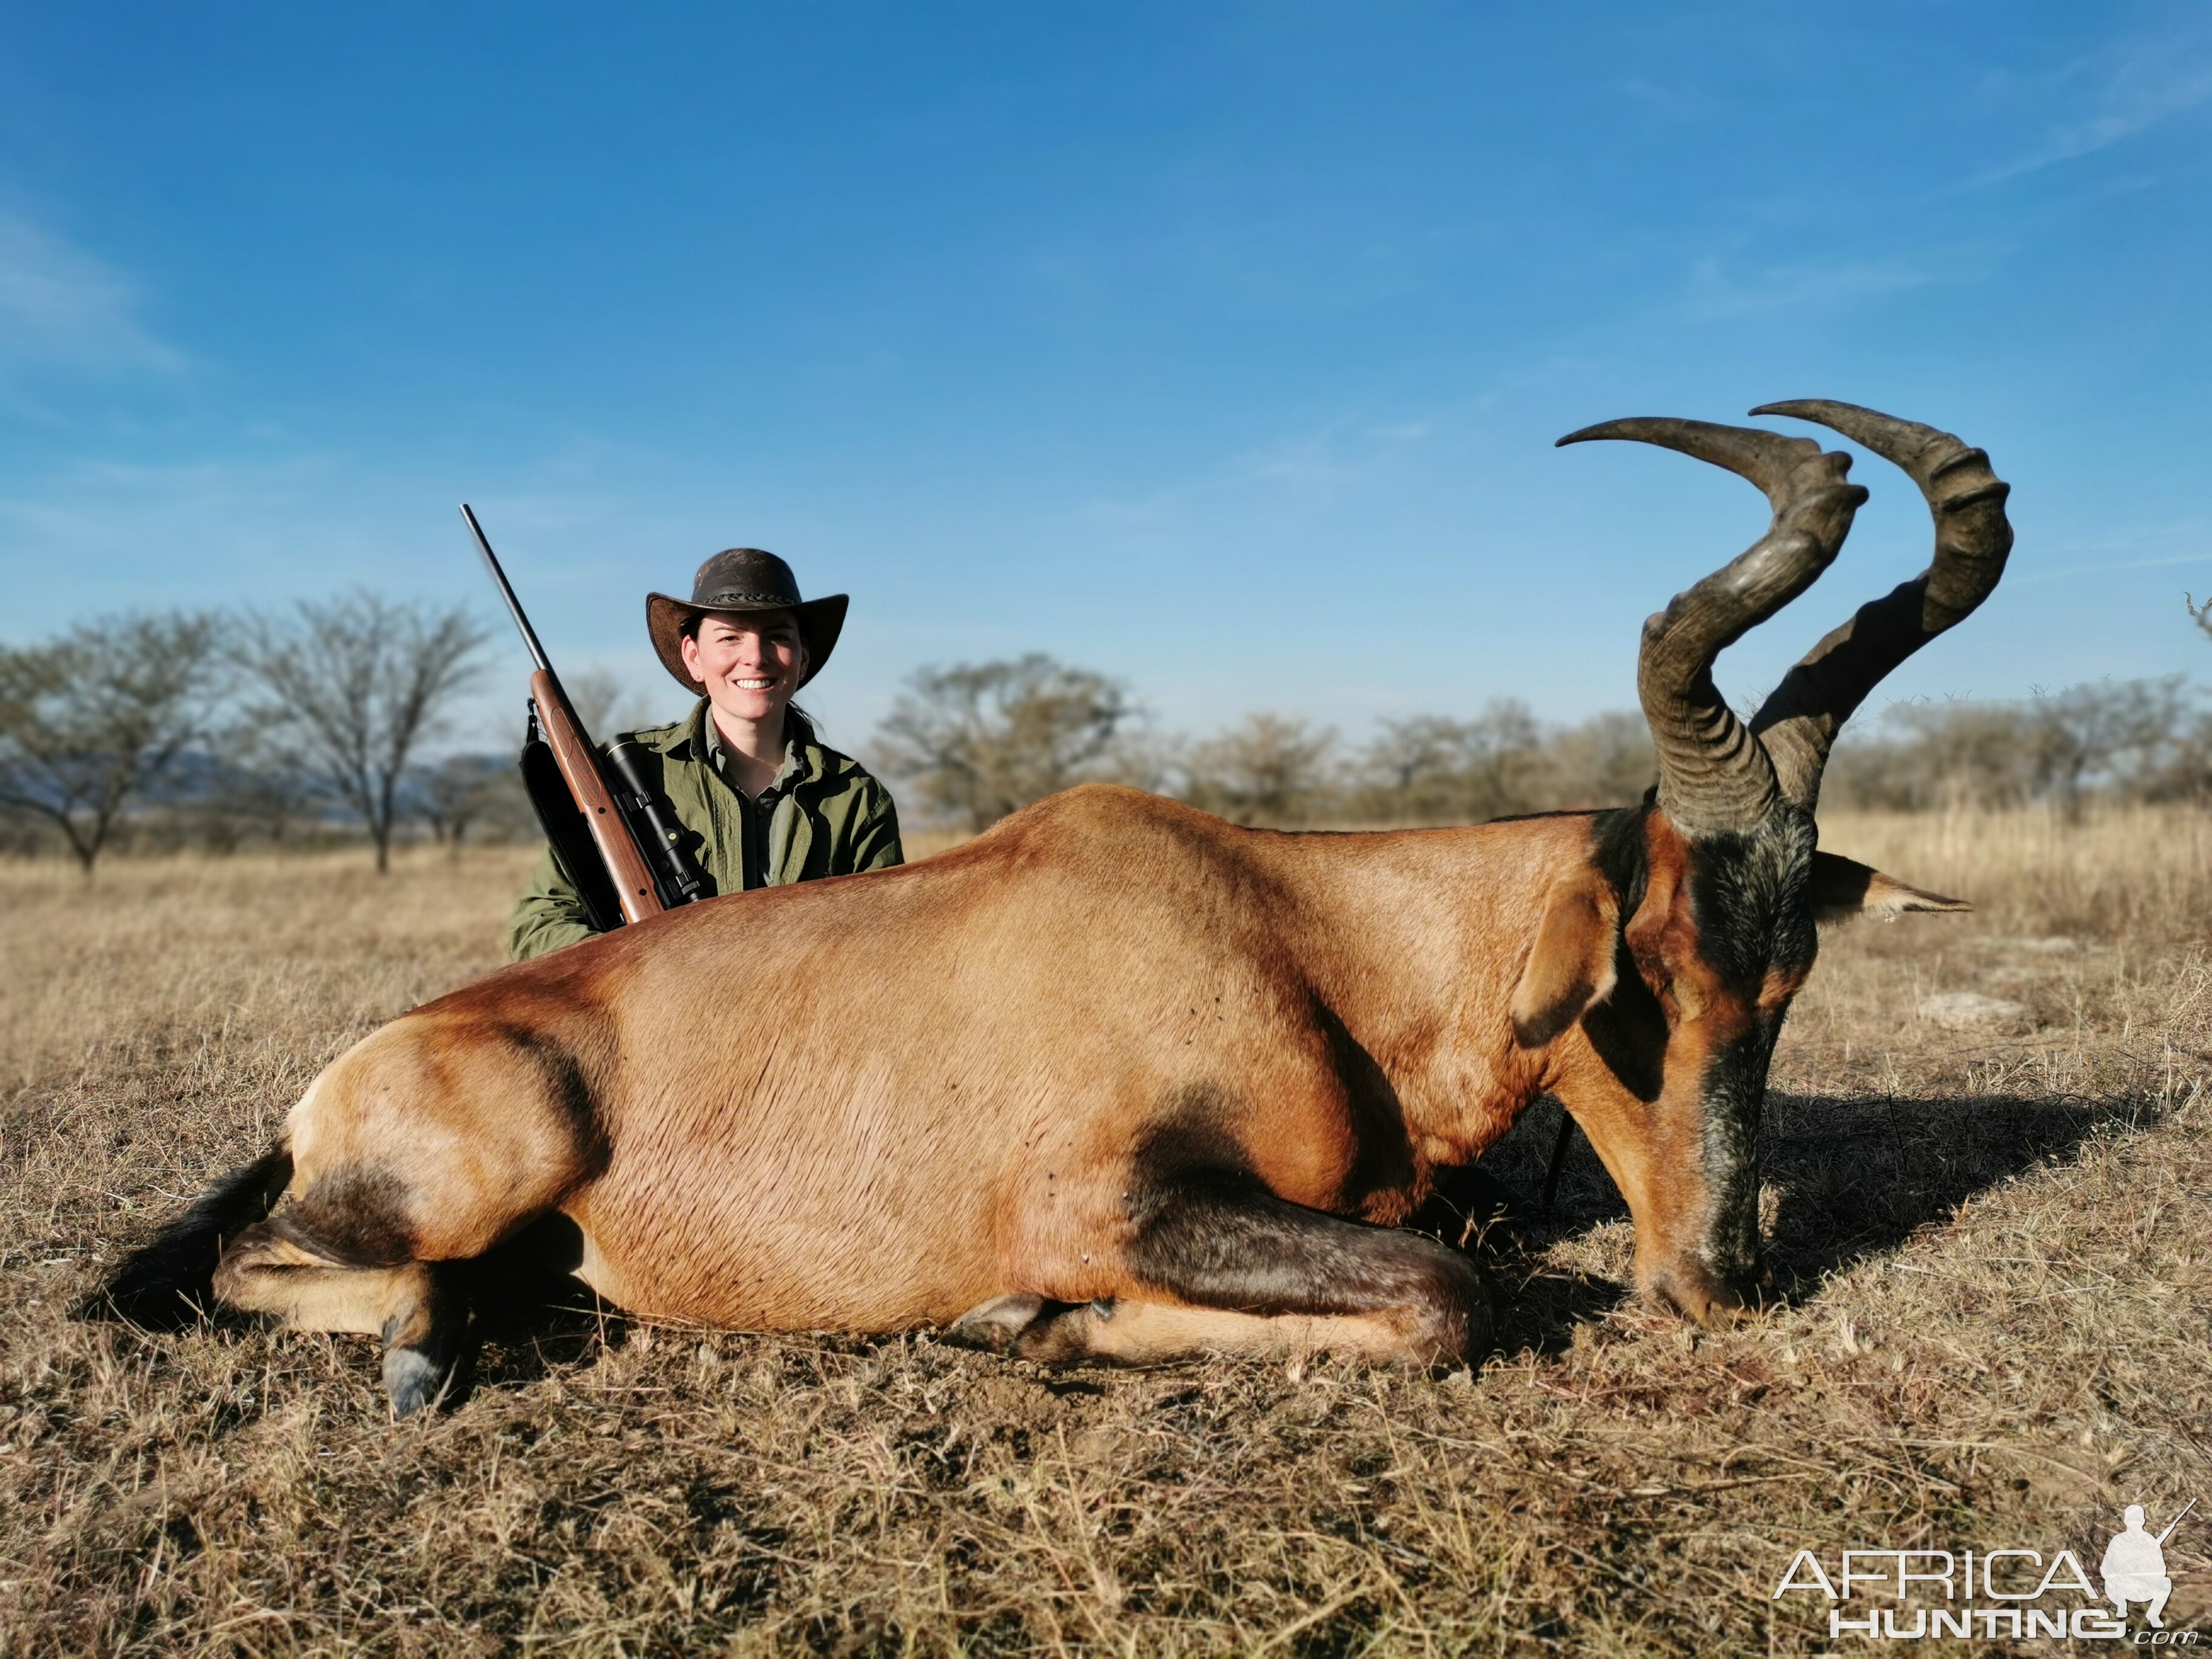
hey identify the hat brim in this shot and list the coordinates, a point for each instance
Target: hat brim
(820, 622)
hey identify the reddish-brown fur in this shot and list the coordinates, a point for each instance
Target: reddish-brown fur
(876, 1102)
(873, 1102)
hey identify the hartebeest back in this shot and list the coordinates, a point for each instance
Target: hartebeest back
(1119, 1080)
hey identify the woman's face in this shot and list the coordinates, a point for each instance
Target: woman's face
(749, 661)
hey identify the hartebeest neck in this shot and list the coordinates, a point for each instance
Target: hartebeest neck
(1414, 939)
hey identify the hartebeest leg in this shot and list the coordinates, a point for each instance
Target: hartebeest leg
(1234, 1270)
(1126, 1331)
(417, 1309)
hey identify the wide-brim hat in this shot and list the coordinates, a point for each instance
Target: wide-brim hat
(744, 579)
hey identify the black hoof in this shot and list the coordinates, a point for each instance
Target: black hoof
(414, 1381)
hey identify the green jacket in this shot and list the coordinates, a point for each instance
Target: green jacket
(824, 816)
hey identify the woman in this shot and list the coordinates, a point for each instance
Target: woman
(745, 773)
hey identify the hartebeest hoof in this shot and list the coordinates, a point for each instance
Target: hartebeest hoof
(414, 1380)
(1034, 1328)
(425, 1339)
(995, 1326)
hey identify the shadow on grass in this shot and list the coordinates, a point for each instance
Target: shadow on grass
(1495, 1207)
(1855, 1177)
(550, 1329)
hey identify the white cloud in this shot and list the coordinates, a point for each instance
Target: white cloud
(2153, 547)
(2141, 84)
(1717, 292)
(1301, 470)
(182, 532)
(60, 306)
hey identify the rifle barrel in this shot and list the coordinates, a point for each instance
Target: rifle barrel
(2176, 1522)
(507, 593)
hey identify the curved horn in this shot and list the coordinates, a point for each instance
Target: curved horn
(1799, 722)
(1714, 777)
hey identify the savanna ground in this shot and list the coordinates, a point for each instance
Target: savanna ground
(1995, 1243)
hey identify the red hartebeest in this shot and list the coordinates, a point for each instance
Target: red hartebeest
(1119, 1080)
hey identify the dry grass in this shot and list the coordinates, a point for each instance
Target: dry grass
(1997, 1246)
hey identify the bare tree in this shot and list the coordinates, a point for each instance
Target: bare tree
(604, 702)
(2115, 733)
(1431, 769)
(984, 739)
(459, 791)
(1608, 760)
(254, 792)
(1268, 770)
(1925, 756)
(350, 687)
(94, 719)
(2129, 738)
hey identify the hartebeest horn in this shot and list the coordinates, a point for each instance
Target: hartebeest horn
(1798, 723)
(1714, 777)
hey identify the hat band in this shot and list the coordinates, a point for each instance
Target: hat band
(729, 597)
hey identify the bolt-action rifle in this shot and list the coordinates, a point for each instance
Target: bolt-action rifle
(616, 839)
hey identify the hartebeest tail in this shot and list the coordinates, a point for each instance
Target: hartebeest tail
(1119, 1081)
(169, 1281)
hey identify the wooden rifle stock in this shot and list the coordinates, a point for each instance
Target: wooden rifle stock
(579, 769)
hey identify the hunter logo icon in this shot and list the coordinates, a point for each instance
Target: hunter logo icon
(1992, 1592)
(2134, 1568)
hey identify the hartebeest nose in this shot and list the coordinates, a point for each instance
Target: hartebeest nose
(1705, 1296)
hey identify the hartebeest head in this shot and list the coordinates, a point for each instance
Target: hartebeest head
(1681, 946)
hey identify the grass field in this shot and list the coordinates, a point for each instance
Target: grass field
(1996, 1238)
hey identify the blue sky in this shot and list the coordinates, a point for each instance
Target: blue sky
(1217, 347)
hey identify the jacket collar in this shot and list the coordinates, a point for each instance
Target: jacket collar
(687, 740)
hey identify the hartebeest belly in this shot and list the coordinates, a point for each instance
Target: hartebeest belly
(1118, 1079)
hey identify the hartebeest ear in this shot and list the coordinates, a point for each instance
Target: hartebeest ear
(1843, 888)
(1571, 966)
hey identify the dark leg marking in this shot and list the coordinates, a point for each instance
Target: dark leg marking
(1205, 1230)
(356, 1218)
(1251, 1252)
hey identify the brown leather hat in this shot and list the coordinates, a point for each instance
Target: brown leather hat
(744, 579)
